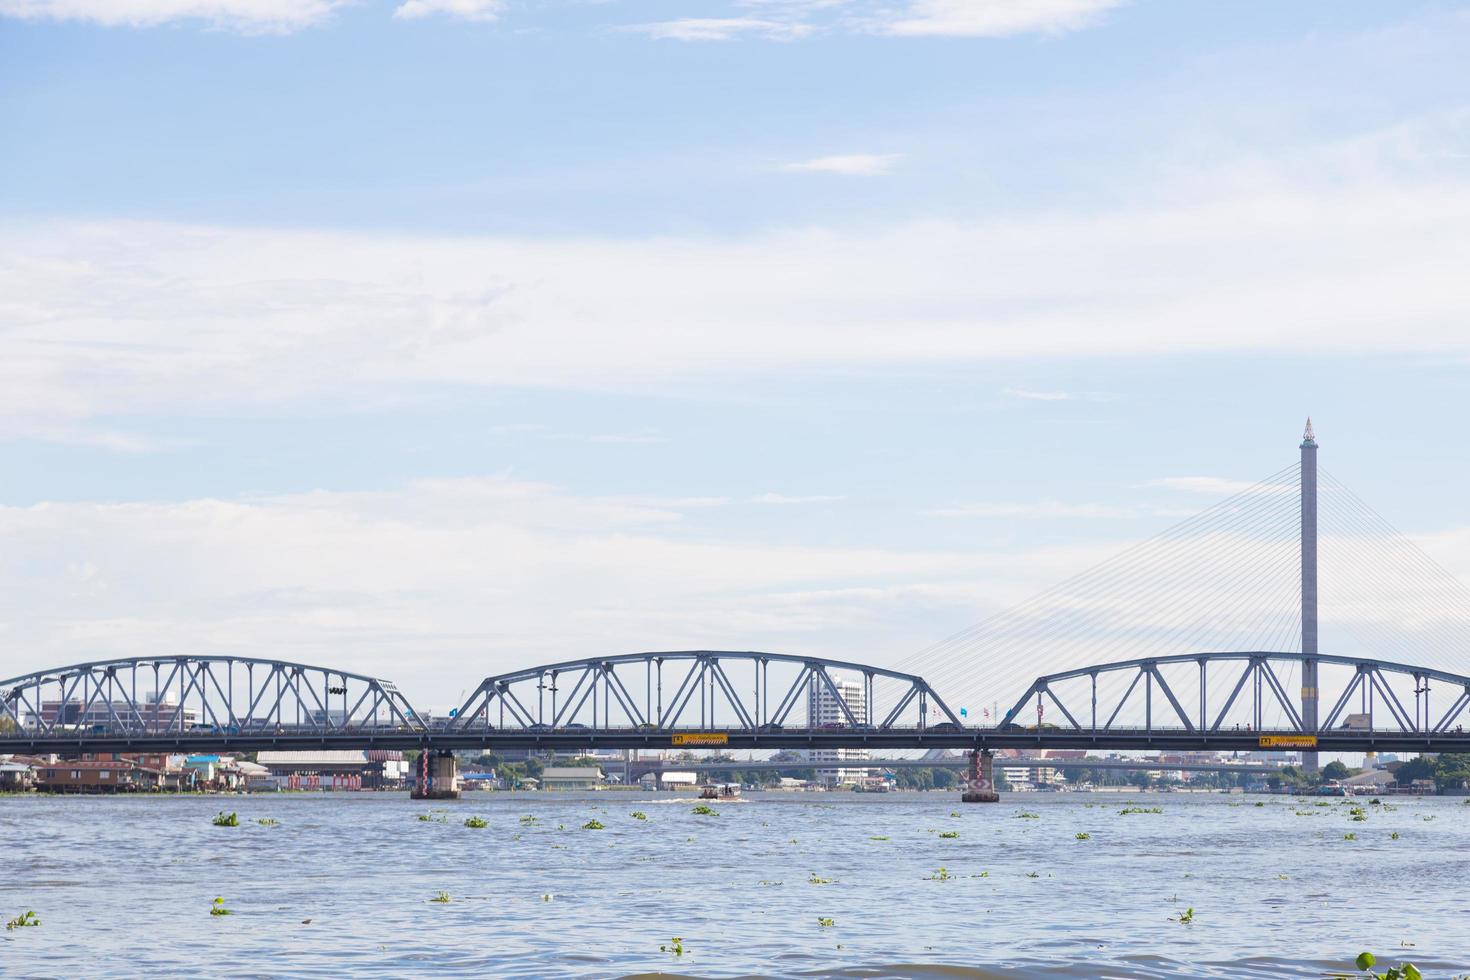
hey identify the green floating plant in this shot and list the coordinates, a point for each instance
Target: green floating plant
(223, 819)
(1140, 809)
(24, 920)
(442, 898)
(639, 815)
(825, 922)
(1027, 815)
(815, 879)
(1404, 971)
(674, 946)
(704, 811)
(478, 823)
(940, 874)
(1083, 835)
(1186, 917)
(268, 821)
(950, 834)
(593, 824)
(218, 907)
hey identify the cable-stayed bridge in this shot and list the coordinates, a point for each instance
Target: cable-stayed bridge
(1207, 636)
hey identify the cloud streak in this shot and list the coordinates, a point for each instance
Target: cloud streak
(246, 16)
(848, 165)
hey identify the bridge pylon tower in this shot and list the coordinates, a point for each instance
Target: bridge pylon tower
(1309, 588)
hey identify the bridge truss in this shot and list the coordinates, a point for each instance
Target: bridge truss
(698, 690)
(1213, 693)
(193, 697)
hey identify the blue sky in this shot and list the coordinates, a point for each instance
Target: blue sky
(405, 335)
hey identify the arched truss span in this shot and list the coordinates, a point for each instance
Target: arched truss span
(1213, 692)
(151, 696)
(691, 690)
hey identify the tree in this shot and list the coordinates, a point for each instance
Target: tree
(1420, 768)
(1335, 771)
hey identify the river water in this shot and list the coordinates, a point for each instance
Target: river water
(342, 886)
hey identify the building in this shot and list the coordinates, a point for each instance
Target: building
(824, 710)
(336, 769)
(16, 777)
(111, 776)
(158, 714)
(571, 777)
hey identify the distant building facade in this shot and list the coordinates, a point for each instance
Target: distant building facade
(824, 710)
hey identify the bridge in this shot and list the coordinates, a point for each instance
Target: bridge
(738, 700)
(1169, 699)
(639, 767)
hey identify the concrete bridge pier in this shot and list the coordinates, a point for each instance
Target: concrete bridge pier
(437, 777)
(980, 778)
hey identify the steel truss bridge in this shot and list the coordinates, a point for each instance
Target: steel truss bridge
(738, 700)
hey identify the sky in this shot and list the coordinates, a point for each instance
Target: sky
(437, 338)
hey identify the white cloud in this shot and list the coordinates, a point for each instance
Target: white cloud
(249, 16)
(1028, 394)
(723, 29)
(484, 10)
(1213, 485)
(993, 18)
(781, 498)
(114, 319)
(1041, 509)
(848, 164)
(435, 584)
(644, 436)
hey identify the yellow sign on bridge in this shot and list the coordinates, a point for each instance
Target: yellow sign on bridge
(1288, 741)
(700, 738)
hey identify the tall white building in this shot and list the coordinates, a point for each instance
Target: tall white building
(824, 710)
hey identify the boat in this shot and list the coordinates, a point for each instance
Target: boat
(719, 791)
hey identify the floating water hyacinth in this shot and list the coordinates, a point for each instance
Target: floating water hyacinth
(478, 823)
(1404, 971)
(442, 898)
(816, 880)
(950, 834)
(223, 819)
(825, 922)
(218, 907)
(674, 946)
(1083, 835)
(639, 815)
(1140, 809)
(1186, 917)
(24, 920)
(704, 811)
(268, 821)
(940, 874)
(593, 824)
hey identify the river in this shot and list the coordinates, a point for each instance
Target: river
(343, 885)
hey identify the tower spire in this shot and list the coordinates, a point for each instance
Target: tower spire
(1309, 589)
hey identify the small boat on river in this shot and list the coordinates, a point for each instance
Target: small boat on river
(719, 791)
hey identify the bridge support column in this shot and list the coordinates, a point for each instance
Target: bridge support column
(437, 776)
(980, 778)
